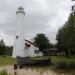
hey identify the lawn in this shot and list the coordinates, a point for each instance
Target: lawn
(7, 60)
(62, 58)
(40, 57)
(58, 58)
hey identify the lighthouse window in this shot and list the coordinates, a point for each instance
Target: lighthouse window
(21, 8)
(16, 37)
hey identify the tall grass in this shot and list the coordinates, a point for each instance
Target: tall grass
(7, 60)
(4, 72)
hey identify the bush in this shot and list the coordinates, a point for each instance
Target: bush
(71, 64)
(61, 65)
(4, 72)
(64, 63)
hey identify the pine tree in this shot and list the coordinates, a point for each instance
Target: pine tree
(2, 47)
(66, 36)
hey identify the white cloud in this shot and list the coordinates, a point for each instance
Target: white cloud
(7, 39)
(44, 16)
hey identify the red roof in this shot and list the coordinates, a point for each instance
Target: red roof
(29, 41)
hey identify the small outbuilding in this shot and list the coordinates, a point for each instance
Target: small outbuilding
(50, 52)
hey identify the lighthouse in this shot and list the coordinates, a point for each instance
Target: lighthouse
(19, 43)
(22, 46)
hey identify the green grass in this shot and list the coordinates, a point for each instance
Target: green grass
(7, 60)
(61, 58)
(40, 57)
(58, 58)
(62, 62)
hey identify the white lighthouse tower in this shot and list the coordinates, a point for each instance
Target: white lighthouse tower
(18, 49)
(23, 47)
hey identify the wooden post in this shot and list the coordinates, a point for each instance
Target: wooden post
(15, 69)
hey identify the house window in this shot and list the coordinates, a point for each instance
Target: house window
(26, 44)
(36, 52)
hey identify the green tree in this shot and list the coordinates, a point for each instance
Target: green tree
(8, 50)
(2, 47)
(5, 50)
(66, 36)
(42, 41)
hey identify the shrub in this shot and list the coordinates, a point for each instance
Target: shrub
(61, 64)
(71, 64)
(64, 63)
(4, 72)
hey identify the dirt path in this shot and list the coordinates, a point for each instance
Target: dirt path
(27, 71)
